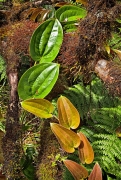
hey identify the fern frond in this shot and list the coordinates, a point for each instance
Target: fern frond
(2, 69)
(101, 115)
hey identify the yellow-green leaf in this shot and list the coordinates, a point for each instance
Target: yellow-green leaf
(118, 52)
(107, 48)
(67, 113)
(79, 172)
(96, 173)
(86, 153)
(39, 107)
(68, 139)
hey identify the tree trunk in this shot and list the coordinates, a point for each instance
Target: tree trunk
(11, 140)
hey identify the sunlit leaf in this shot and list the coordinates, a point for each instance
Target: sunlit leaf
(46, 41)
(70, 13)
(2, 128)
(84, 2)
(68, 139)
(68, 115)
(96, 173)
(39, 107)
(70, 27)
(79, 172)
(86, 153)
(118, 52)
(107, 48)
(38, 81)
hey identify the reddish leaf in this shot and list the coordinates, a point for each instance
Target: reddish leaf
(96, 173)
(79, 172)
(86, 153)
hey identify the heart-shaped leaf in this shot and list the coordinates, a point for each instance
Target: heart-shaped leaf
(68, 114)
(70, 13)
(38, 81)
(46, 41)
(68, 139)
(96, 173)
(79, 172)
(86, 153)
(39, 107)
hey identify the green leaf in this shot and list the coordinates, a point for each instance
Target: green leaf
(46, 41)
(70, 13)
(38, 81)
(70, 28)
(68, 139)
(39, 107)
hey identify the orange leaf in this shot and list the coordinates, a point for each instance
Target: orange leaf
(96, 173)
(68, 114)
(86, 153)
(68, 139)
(78, 171)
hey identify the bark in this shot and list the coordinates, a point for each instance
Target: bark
(110, 73)
(11, 141)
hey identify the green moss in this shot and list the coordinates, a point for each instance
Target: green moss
(46, 172)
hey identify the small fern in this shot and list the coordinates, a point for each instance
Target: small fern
(101, 116)
(2, 69)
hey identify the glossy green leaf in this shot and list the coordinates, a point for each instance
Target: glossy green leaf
(79, 172)
(39, 107)
(70, 13)
(68, 139)
(46, 41)
(68, 115)
(70, 28)
(38, 81)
